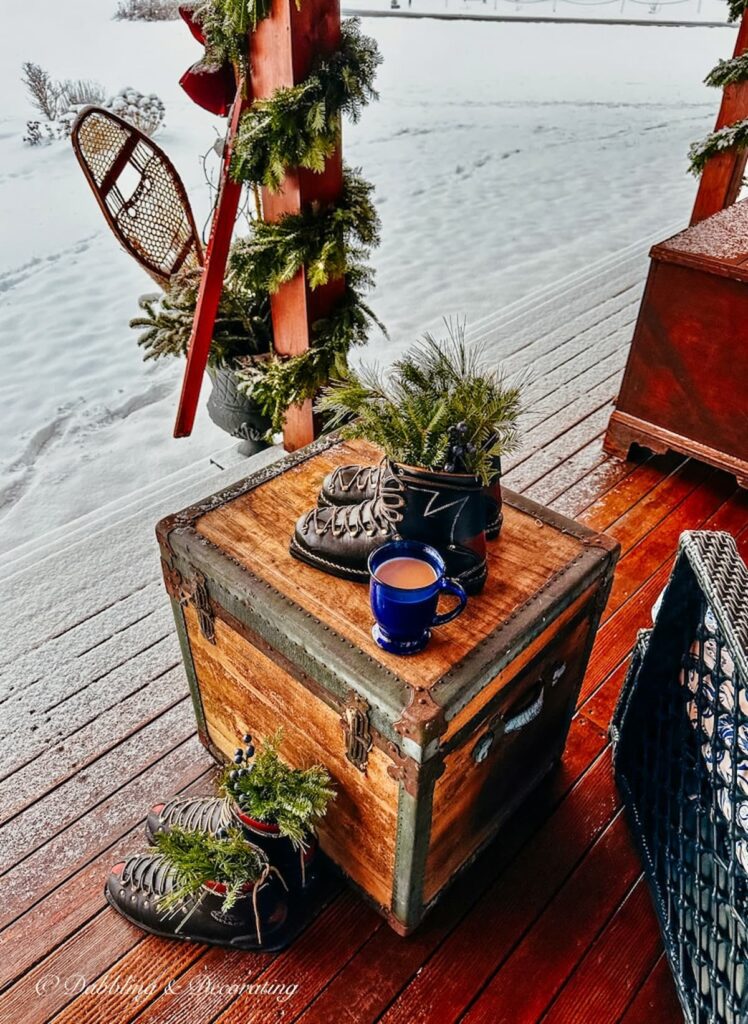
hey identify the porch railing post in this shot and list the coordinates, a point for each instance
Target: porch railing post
(283, 49)
(722, 177)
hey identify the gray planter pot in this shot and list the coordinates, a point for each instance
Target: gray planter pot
(235, 413)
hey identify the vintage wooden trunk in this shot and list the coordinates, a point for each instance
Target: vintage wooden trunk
(430, 754)
(684, 386)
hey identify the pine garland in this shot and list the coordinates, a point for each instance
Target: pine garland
(300, 126)
(295, 127)
(279, 383)
(328, 241)
(267, 789)
(732, 136)
(439, 407)
(225, 25)
(199, 857)
(242, 329)
(728, 72)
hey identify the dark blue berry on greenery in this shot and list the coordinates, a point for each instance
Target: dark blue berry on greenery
(233, 775)
(222, 833)
(250, 751)
(449, 467)
(461, 427)
(246, 738)
(457, 451)
(470, 449)
(239, 756)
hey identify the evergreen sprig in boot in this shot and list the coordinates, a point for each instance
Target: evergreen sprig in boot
(293, 796)
(445, 510)
(216, 813)
(141, 889)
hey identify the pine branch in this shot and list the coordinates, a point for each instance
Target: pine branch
(300, 126)
(438, 408)
(226, 25)
(728, 72)
(735, 9)
(198, 857)
(267, 789)
(329, 241)
(276, 384)
(732, 136)
(242, 328)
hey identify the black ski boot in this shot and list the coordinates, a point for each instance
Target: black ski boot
(350, 485)
(211, 813)
(446, 510)
(257, 921)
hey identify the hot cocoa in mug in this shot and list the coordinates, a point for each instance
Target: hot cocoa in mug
(406, 573)
(407, 578)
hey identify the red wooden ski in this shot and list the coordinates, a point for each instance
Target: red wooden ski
(211, 285)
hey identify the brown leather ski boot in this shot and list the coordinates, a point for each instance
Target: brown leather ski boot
(445, 510)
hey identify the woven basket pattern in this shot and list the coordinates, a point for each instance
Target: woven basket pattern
(680, 736)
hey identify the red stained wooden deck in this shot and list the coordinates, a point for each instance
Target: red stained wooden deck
(553, 924)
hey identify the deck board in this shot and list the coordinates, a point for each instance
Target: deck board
(552, 924)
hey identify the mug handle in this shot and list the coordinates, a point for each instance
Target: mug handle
(451, 587)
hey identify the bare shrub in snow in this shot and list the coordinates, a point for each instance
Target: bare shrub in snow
(147, 10)
(54, 98)
(44, 92)
(79, 92)
(39, 133)
(59, 102)
(145, 112)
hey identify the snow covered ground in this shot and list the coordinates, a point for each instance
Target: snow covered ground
(505, 156)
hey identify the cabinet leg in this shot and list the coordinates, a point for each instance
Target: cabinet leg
(618, 438)
(622, 434)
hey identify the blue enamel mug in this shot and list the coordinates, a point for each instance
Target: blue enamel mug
(406, 614)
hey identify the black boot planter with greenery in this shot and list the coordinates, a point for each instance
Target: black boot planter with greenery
(444, 422)
(242, 338)
(202, 887)
(233, 411)
(278, 806)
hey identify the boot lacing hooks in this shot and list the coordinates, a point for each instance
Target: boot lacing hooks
(364, 478)
(373, 516)
(195, 817)
(146, 873)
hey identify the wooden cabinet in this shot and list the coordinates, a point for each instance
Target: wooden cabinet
(429, 754)
(685, 382)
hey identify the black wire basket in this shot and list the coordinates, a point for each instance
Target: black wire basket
(680, 741)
